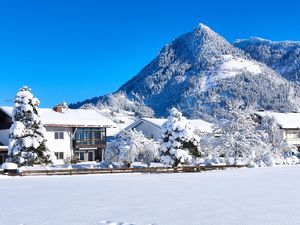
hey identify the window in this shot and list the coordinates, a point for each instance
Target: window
(90, 156)
(59, 135)
(81, 156)
(59, 155)
(2, 158)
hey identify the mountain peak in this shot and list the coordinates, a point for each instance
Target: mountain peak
(202, 26)
(203, 30)
(201, 44)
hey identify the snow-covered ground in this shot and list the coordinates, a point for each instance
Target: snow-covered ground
(260, 196)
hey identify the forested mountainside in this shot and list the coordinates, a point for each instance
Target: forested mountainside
(283, 56)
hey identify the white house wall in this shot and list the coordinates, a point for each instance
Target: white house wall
(60, 145)
(149, 130)
(4, 134)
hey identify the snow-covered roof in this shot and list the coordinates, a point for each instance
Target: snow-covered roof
(284, 120)
(202, 125)
(69, 118)
(198, 124)
(120, 123)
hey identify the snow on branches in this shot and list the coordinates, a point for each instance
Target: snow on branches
(26, 139)
(130, 146)
(243, 139)
(179, 144)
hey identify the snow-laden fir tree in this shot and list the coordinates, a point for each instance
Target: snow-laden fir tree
(179, 144)
(27, 133)
(130, 146)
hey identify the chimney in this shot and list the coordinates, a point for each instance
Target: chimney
(58, 108)
(61, 107)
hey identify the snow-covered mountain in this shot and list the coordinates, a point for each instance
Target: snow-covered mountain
(204, 75)
(283, 56)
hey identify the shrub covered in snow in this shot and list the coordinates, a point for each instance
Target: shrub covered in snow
(27, 133)
(130, 146)
(178, 143)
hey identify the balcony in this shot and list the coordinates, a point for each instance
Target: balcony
(293, 141)
(90, 138)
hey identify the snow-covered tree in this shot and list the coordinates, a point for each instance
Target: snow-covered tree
(279, 149)
(236, 139)
(27, 133)
(236, 135)
(179, 144)
(274, 135)
(130, 146)
(241, 139)
(150, 152)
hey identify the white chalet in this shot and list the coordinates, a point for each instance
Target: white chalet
(151, 127)
(70, 134)
(288, 122)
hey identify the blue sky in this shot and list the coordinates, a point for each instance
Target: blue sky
(73, 50)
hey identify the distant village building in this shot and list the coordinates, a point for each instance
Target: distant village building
(70, 134)
(151, 127)
(288, 122)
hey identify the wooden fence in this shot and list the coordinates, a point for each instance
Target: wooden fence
(151, 170)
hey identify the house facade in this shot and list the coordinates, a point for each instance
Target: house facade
(288, 122)
(78, 135)
(151, 127)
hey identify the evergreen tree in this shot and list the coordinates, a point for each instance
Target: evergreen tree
(178, 142)
(26, 139)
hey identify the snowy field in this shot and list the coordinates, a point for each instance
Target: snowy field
(260, 196)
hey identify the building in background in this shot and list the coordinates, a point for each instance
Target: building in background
(151, 127)
(288, 122)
